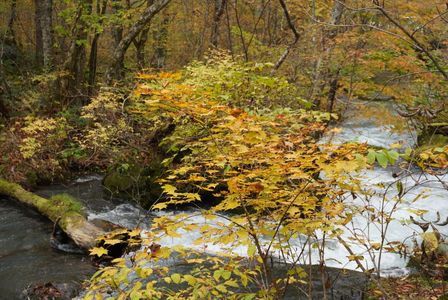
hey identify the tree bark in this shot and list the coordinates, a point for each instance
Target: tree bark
(75, 62)
(293, 28)
(39, 52)
(140, 43)
(117, 34)
(46, 25)
(322, 70)
(115, 69)
(220, 6)
(10, 33)
(93, 57)
(4, 111)
(74, 224)
(160, 38)
(334, 85)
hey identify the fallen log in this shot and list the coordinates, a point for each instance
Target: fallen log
(64, 211)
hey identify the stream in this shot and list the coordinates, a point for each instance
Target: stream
(27, 258)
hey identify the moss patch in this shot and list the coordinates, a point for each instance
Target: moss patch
(67, 203)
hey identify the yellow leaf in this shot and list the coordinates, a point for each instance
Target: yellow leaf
(169, 189)
(160, 206)
(190, 279)
(135, 232)
(112, 242)
(251, 250)
(176, 278)
(98, 251)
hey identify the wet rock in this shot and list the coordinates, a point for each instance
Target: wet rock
(105, 225)
(50, 291)
(339, 285)
(117, 182)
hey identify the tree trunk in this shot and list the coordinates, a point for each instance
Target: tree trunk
(293, 28)
(4, 111)
(220, 6)
(334, 85)
(10, 33)
(46, 25)
(115, 69)
(39, 54)
(322, 70)
(75, 61)
(117, 34)
(140, 43)
(73, 223)
(160, 39)
(93, 57)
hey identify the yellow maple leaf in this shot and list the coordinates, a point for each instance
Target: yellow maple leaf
(98, 251)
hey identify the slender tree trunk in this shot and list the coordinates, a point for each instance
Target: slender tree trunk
(115, 68)
(4, 111)
(75, 62)
(93, 57)
(140, 43)
(10, 33)
(160, 38)
(220, 6)
(322, 70)
(39, 52)
(5, 90)
(334, 85)
(229, 32)
(46, 24)
(117, 34)
(293, 29)
(238, 22)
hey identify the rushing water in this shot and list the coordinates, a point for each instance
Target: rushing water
(378, 125)
(424, 192)
(26, 256)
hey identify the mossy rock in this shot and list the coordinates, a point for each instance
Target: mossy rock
(66, 202)
(120, 180)
(431, 141)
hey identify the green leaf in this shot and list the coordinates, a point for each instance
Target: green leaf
(232, 283)
(217, 274)
(371, 157)
(226, 274)
(190, 279)
(393, 156)
(221, 288)
(176, 278)
(382, 159)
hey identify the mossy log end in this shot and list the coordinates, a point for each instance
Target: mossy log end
(66, 213)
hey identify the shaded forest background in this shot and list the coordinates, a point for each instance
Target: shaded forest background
(56, 56)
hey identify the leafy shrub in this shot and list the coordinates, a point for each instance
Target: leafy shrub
(269, 165)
